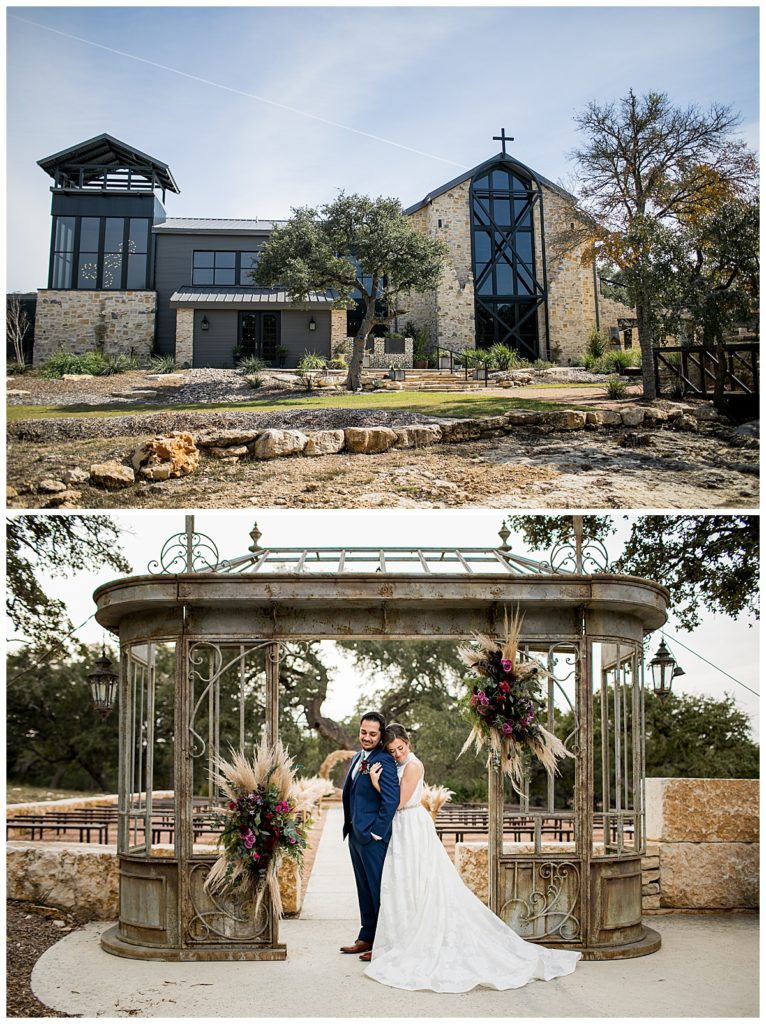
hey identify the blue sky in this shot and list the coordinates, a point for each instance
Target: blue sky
(434, 84)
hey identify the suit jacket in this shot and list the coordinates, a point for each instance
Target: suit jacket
(364, 809)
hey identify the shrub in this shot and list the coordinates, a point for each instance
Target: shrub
(337, 364)
(504, 358)
(612, 362)
(251, 364)
(95, 363)
(305, 378)
(15, 369)
(255, 380)
(597, 343)
(617, 388)
(312, 361)
(163, 364)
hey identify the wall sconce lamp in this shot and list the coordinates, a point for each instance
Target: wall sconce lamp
(204, 323)
(312, 324)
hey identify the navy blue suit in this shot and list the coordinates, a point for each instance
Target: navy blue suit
(366, 811)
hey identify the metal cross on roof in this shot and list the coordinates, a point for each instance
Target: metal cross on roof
(502, 137)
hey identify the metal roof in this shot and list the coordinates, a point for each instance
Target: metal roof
(106, 151)
(215, 225)
(500, 158)
(410, 560)
(228, 295)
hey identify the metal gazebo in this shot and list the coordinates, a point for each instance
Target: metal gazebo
(201, 641)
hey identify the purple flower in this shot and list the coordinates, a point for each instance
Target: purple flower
(483, 698)
(507, 728)
(507, 665)
(282, 807)
(248, 837)
(291, 841)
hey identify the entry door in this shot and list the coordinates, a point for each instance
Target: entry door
(259, 335)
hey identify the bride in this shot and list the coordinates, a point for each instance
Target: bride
(433, 933)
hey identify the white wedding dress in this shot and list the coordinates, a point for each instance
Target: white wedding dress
(433, 933)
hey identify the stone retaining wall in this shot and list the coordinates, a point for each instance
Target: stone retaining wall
(86, 876)
(707, 835)
(86, 321)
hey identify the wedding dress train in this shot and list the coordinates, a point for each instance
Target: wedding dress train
(433, 933)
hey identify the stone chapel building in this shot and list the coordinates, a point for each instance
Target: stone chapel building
(125, 277)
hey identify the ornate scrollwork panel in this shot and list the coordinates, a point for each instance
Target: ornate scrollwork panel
(541, 899)
(219, 919)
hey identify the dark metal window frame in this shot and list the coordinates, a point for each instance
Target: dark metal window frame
(100, 254)
(527, 304)
(239, 269)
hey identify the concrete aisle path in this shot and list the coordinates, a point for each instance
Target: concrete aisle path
(707, 967)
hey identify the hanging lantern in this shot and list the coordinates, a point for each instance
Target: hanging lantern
(664, 667)
(103, 682)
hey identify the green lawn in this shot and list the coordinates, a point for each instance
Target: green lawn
(428, 403)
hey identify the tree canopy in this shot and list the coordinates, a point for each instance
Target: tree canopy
(355, 247)
(705, 561)
(649, 171)
(39, 547)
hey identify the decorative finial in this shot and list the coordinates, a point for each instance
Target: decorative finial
(505, 533)
(503, 138)
(577, 525)
(255, 536)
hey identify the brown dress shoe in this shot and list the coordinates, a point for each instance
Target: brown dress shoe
(360, 946)
(366, 957)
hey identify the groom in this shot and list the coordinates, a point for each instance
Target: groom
(367, 817)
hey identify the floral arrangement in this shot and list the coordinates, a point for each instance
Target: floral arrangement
(505, 706)
(260, 824)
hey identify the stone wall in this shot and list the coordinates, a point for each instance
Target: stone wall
(706, 832)
(338, 329)
(86, 321)
(379, 359)
(184, 335)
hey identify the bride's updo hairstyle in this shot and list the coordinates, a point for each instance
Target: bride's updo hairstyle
(395, 732)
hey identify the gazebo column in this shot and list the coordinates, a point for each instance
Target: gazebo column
(273, 653)
(584, 774)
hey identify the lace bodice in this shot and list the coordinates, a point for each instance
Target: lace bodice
(414, 800)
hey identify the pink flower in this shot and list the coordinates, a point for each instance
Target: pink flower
(256, 856)
(473, 701)
(248, 838)
(504, 687)
(282, 807)
(507, 728)
(483, 698)
(507, 665)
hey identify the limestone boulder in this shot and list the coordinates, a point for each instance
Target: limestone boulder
(418, 435)
(77, 376)
(50, 486)
(274, 444)
(633, 416)
(688, 423)
(564, 419)
(603, 418)
(238, 451)
(653, 417)
(11, 492)
(169, 455)
(324, 442)
(112, 475)
(523, 418)
(488, 424)
(73, 876)
(64, 499)
(75, 476)
(461, 430)
(369, 440)
(710, 876)
(705, 413)
(702, 810)
(226, 438)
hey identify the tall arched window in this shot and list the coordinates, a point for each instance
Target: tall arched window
(507, 292)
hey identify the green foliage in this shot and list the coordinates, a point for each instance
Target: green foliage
(163, 364)
(356, 246)
(612, 362)
(40, 546)
(16, 369)
(597, 343)
(504, 358)
(250, 364)
(337, 364)
(617, 388)
(95, 363)
(312, 361)
(705, 561)
(255, 380)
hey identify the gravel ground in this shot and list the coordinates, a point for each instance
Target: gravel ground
(30, 931)
(198, 385)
